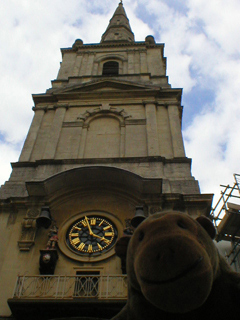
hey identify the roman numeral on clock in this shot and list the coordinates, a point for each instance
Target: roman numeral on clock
(108, 234)
(74, 234)
(77, 228)
(84, 223)
(99, 246)
(81, 246)
(76, 241)
(93, 222)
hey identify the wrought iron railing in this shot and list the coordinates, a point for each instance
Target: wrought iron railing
(69, 287)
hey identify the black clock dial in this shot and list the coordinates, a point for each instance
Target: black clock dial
(91, 235)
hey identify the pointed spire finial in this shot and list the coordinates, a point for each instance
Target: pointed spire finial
(119, 28)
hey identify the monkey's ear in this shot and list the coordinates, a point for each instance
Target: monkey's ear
(122, 245)
(207, 224)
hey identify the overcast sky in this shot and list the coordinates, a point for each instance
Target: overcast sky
(202, 46)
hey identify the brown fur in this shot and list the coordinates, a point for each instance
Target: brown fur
(175, 272)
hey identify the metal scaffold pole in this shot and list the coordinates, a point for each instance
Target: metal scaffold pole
(226, 217)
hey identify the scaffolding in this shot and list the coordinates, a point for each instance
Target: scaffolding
(226, 217)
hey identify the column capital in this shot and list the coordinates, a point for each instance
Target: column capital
(149, 102)
(61, 105)
(168, 104)
(40, 109)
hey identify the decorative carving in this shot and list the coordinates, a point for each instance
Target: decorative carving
(104, 108)
(28, 233)
(53, 238)
(88, 113)
(155, 209)
(128, 229)
(32, 213)
(120, 112)
(49, 256)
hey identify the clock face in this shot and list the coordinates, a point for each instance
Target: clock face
(91, 235)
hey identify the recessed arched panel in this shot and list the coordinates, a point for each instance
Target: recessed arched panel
(103, 138)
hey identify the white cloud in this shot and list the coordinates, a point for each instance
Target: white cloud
(201, 45)
(8, 154)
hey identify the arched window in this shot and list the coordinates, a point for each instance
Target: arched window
(110, 68)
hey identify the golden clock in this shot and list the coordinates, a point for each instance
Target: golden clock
(91, 235)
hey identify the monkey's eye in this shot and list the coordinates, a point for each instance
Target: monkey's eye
(140, 236)
(182, 224)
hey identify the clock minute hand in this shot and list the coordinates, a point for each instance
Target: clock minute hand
(89, 228)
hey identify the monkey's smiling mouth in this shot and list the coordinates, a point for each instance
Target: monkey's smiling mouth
(179, 276)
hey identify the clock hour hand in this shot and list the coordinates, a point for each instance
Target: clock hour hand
(102, 238)
(89, 228)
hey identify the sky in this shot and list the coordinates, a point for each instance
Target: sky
(201, 39)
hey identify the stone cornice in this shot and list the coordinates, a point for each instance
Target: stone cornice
(167, 94)
(93, 105)
(111, 45)
(119, 76)
(101, 161)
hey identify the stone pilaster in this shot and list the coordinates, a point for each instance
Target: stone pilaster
(125, 67)
(77, 65)
(56, 128)
(32, 135)
(131, 62)
(83, 67)
(175, 126)
(137, 62)
(152, 132)
(82, 142)
(164, 132)
(90, 63)
(143, 62)
(122, 141)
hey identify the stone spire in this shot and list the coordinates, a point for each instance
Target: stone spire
(119, 28)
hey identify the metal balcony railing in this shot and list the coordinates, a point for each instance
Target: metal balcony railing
(69, 287)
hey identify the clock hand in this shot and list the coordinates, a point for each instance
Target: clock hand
(95, 235)
(102, 238)
(89, 228)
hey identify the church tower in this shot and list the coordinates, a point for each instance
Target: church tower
(105, 142)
